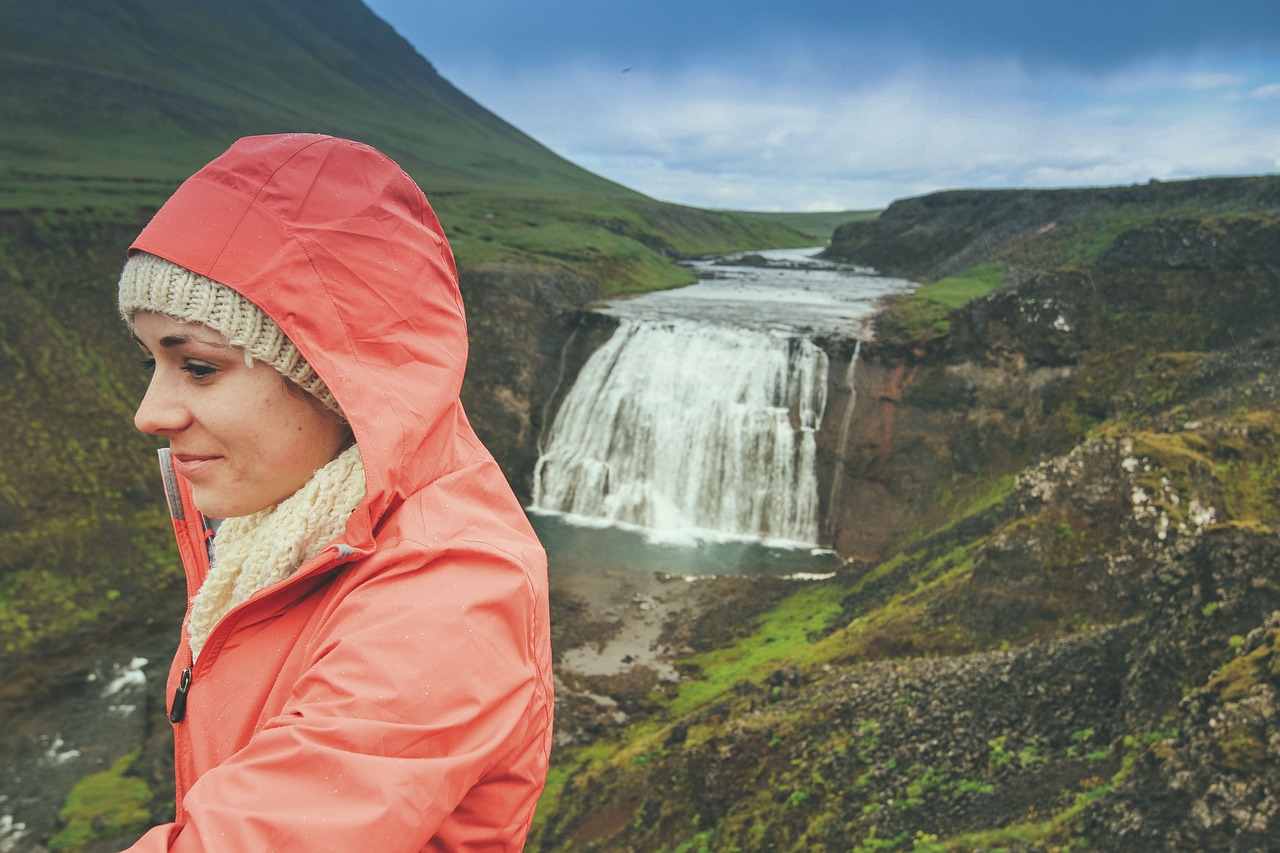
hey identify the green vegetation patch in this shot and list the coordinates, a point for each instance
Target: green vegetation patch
(785, 634)
(67, 573)
(1097, 230)
(104, 805)
(1234, 463)
(1243, 674)
(817, 225)
(1248, 468)
(954, 291)
(84, 536)
(923, 316)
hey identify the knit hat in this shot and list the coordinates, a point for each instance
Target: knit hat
(150, 283)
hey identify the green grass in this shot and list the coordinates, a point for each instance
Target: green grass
(922, 316)
(954, 291)
(816, 225)
(783, 634)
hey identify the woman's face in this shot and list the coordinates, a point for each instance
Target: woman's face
(244, 439)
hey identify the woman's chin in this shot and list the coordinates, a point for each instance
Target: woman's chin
(213, 504)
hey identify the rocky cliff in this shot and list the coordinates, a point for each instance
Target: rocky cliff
(1057, 627)
(940, 234)
(1083, 271)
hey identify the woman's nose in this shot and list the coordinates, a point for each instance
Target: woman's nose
(162, 410)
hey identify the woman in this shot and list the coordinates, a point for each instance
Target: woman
(365, 663)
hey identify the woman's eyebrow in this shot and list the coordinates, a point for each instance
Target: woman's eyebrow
(171, 341)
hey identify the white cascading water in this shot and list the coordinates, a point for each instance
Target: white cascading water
(679, 426)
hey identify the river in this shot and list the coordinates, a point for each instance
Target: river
(795, 293)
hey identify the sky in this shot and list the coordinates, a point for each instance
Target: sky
(810, 105)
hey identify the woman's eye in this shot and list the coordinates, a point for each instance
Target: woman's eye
(199, 371)
(148, 364)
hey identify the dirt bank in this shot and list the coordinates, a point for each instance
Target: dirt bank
(616, 636)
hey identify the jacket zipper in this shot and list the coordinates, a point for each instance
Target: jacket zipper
(178, 709)
(193, 534)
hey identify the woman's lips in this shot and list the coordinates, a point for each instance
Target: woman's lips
(191, 465)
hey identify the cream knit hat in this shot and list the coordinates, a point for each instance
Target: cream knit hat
(150, 283)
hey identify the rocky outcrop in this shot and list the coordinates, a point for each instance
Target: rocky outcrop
(1213, 783)
(1026, 369)
(941, 234)
(518, 320)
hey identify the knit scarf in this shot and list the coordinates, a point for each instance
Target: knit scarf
(252, 552)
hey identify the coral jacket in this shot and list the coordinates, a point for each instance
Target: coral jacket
(394, 694)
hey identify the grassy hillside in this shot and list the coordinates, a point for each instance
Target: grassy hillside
(114, 102)
(110, 106)
(819, 226)
(947, 233)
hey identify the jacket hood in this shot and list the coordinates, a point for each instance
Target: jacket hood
(342, 250)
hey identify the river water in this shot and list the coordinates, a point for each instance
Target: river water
(796, 294)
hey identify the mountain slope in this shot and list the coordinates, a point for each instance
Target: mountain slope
(146, 88)
(945, 233)
(111, 105)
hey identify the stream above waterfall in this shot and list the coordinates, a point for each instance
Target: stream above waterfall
(791, 291)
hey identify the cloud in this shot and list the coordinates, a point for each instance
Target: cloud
(780, 132)
(1267, 92)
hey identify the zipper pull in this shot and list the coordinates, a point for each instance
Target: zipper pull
(179, 709)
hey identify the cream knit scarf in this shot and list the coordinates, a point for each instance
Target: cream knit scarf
(255, 551)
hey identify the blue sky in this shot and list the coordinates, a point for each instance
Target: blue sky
(810, 105)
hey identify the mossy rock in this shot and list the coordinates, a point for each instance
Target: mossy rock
(104, 805)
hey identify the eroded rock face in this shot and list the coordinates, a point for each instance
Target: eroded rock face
(917, 427)
(518, 319)
(1214, 782)
(1025, 369)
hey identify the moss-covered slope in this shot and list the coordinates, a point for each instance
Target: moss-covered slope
(86, 547)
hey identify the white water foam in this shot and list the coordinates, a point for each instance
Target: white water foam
(678, 426)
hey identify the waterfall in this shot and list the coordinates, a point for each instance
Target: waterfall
(676, 426)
